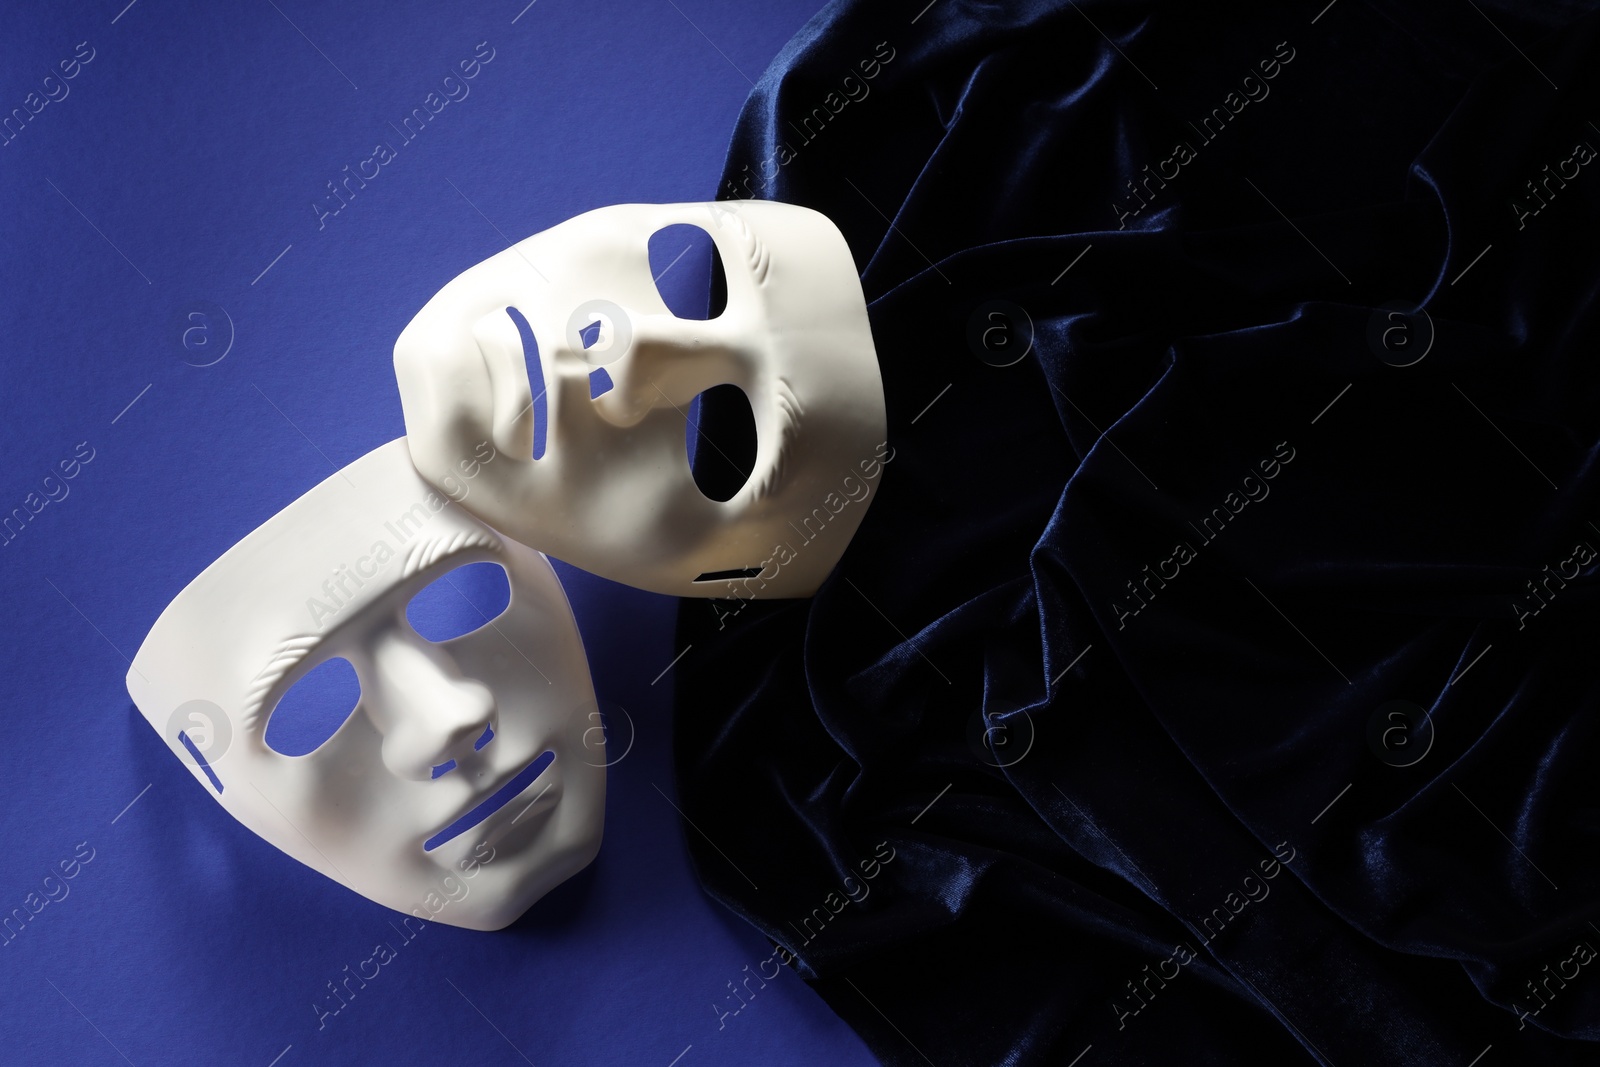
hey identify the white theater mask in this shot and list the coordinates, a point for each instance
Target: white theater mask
(613, 492)
(392, 804)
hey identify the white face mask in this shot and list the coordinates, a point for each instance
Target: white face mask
(331, 576)
(613, 492)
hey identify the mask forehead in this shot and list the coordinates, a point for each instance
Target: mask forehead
(314, 566)
(604, 253)
(613, 492)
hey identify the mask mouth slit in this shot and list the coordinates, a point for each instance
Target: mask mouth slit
(502, 796)
(536, 382)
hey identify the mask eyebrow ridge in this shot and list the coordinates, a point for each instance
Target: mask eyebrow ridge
(424, 554)
(787, 408)
(289, 652)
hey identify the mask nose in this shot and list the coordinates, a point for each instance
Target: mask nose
(670, 361)
(426, 710)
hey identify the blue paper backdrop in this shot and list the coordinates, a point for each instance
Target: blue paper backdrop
(172, 175)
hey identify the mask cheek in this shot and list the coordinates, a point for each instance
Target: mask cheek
(453, 488)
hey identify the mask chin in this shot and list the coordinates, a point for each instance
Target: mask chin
(612, 491)
(453, 785)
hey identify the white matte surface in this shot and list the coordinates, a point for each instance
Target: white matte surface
(613, 492)
(331, 575)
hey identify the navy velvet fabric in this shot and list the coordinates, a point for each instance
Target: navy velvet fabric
(1212, 679)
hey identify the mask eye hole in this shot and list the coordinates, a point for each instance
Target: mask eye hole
(721, 441)
(313, 709)
(466, 599)
(685, 265)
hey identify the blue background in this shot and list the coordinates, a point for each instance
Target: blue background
(177, 176)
